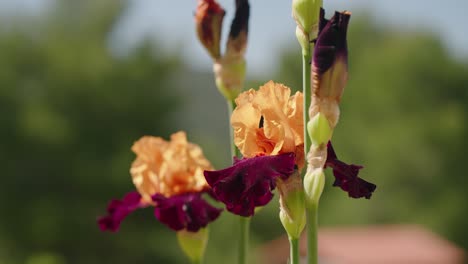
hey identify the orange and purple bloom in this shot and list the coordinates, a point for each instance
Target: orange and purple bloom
(330, 75)
(268, 130)
(168, 176)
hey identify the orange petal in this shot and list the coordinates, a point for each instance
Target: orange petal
(281, 130)
(168, 168)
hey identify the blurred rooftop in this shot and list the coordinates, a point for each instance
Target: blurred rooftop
(376, 244)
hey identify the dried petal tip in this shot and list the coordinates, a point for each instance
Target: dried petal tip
(209, 20)
(185, 211)
(249, 182)
(117, 210)
(346, 176)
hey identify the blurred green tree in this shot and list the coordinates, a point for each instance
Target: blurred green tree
(69, 112)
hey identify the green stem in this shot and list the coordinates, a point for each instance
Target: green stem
(312, 234)
(312, 210)
(294, 251)
(307, 92)
(196, 261)
(244, 239)
(243, 221)
(234, 150)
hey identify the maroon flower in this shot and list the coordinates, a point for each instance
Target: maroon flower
(249, 182)
(117, 210)
(346, 176)
(186, 211)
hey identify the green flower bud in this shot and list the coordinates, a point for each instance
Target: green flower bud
(307, 13)
(292, 205)
(230, 76)
(319, 129)
(193, 244)
(314, 182)
(303, 40)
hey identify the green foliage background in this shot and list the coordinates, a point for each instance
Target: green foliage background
(69, 112)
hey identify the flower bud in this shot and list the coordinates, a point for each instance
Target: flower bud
(303, 40)
(209, 20)
(306, 14)
(314, 182)
(237, 41)
(230, 76)
(292, 205)
(319, 129)
(330, 66)
(193, 244)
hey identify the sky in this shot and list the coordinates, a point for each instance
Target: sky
(271, 25)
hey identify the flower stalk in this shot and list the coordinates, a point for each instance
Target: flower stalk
(244, 222)
(294, 257)
(229, 70)
(306, 13)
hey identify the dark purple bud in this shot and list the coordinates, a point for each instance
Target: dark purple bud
(117, 210)
(346, 176)
(249, 182)
(187, 211)
(330, 61)
(237, 40)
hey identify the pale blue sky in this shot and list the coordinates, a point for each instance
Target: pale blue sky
(271, 25)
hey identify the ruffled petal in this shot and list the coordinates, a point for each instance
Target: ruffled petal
(249, 182)
(187, 211)
(168, 167)
(117, 210)
(269, 121)
(346, 176)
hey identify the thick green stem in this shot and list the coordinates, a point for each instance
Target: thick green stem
(244, 239)
(312, 210)
(307, 92)
(312, 234)
(294, 257)
(197, 261)
(243, 221)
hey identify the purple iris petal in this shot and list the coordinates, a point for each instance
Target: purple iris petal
(249, 182)
(346, 176)
(331, 41)
(117, 210)
(185, 211)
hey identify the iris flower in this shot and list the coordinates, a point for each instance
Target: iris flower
(330, 75)
(268, 130)
(168, 176)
